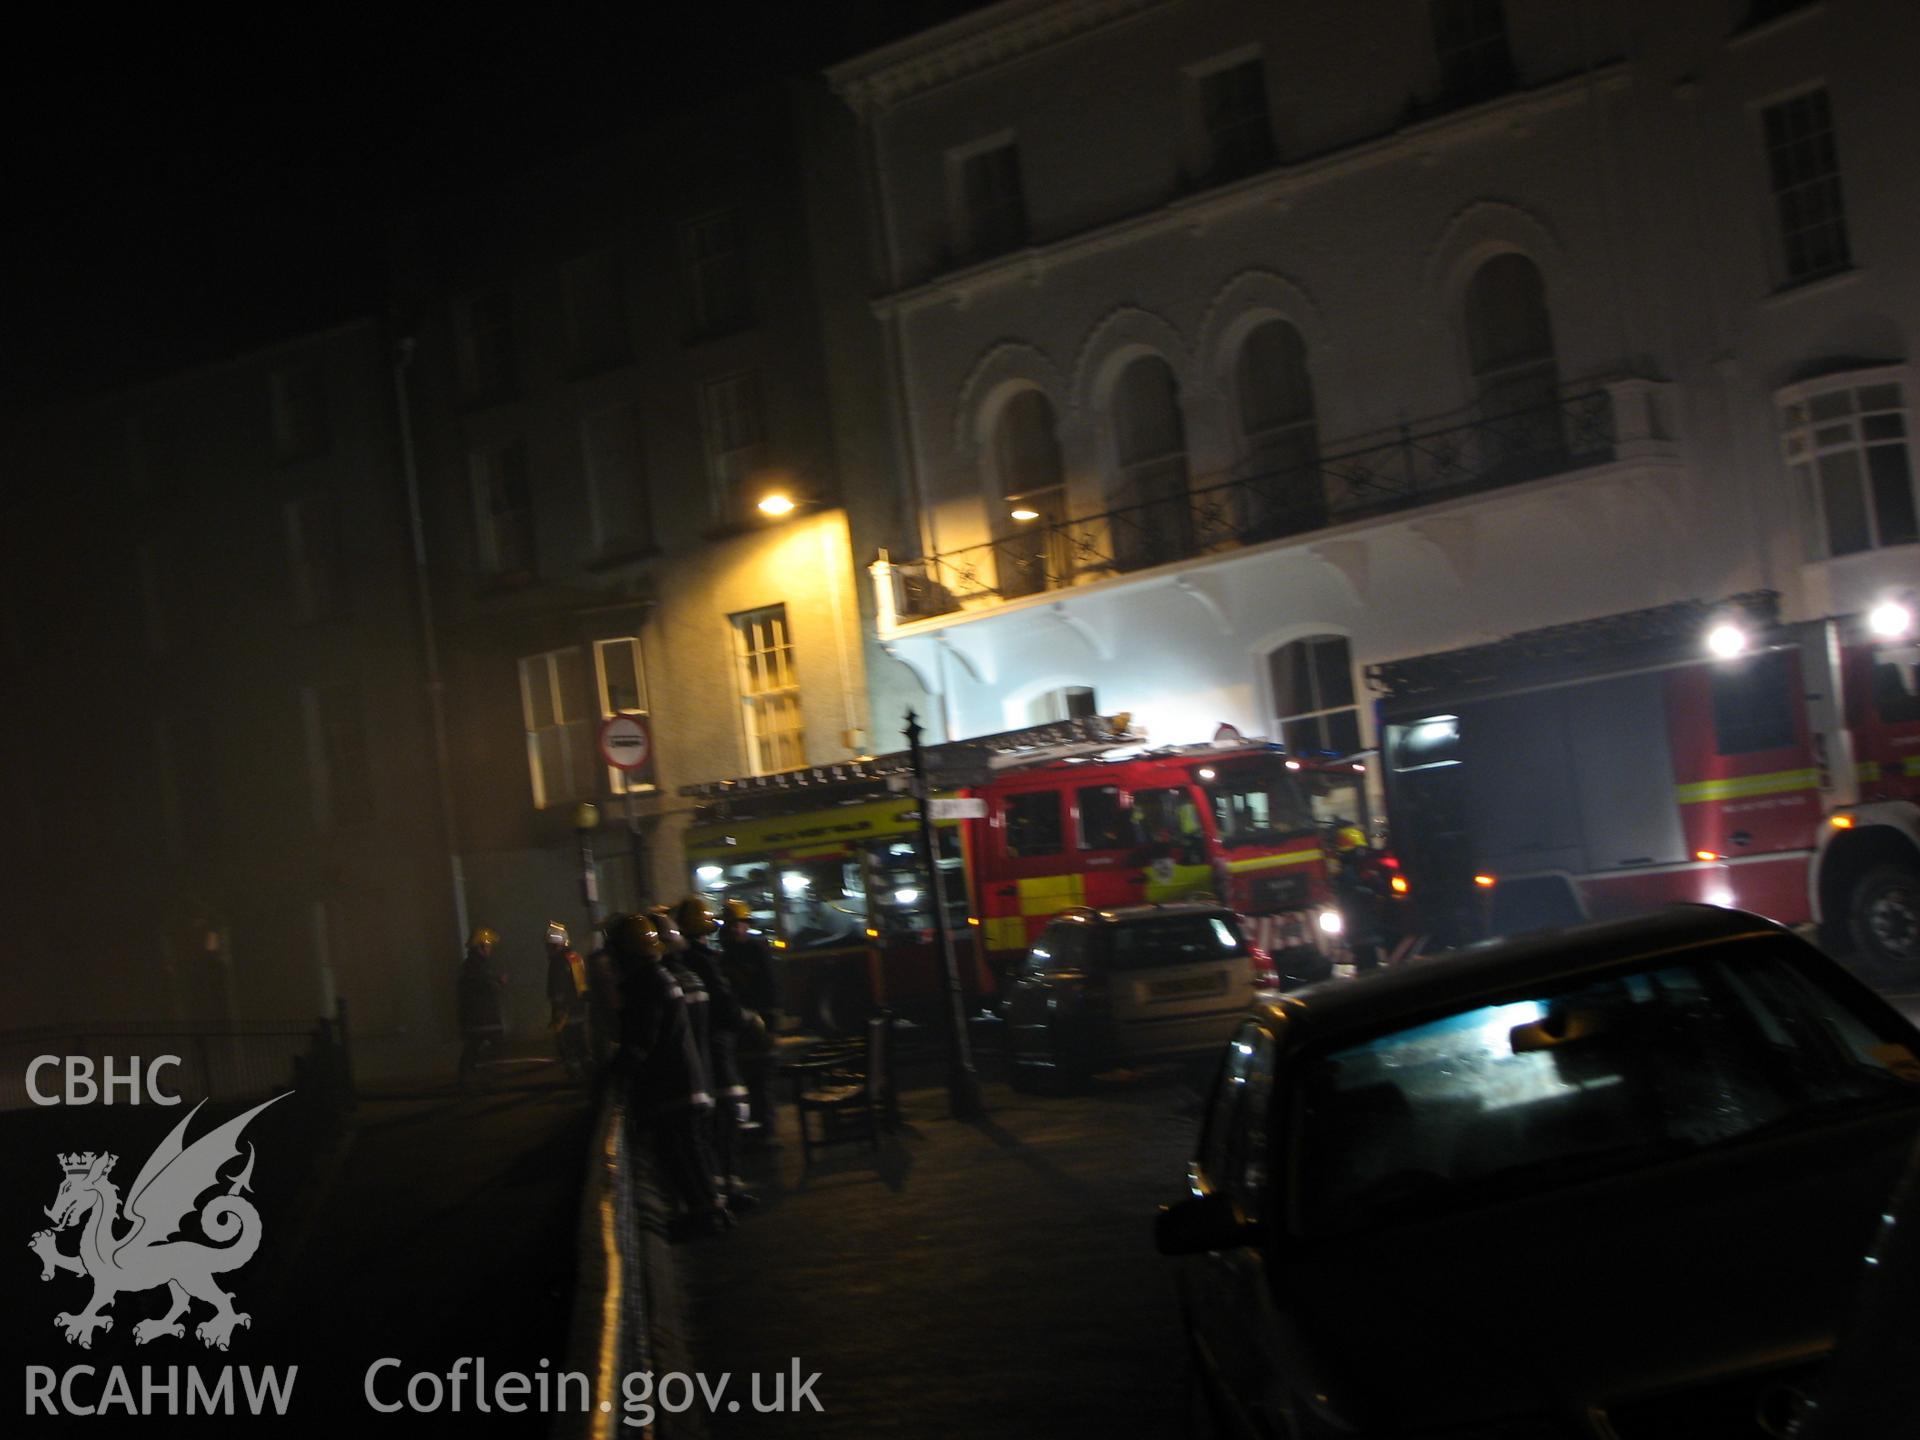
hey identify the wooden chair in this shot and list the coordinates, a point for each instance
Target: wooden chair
(847, 1089)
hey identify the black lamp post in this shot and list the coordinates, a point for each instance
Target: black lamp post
(963, 1085)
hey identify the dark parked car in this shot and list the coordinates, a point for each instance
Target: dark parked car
(1609, 1182)
(1103, 987)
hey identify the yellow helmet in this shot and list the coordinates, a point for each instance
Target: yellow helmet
(738, 909)
(630, 935)
(1349, 837)
(694, 918)
(482, 936)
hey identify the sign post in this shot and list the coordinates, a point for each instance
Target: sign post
(626, 743)
(963, 1085)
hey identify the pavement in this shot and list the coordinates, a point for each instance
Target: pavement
(994, 1277)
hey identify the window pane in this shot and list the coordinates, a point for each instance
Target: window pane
(1103, 819)
(1033, 824)
(1333, 675)
(1892, 494)
(1844, 502)
(1507, 322)
(620, 664)
(1343, 732)
(1271, 375)
(537, 686)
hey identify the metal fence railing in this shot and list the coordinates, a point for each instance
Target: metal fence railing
(1414, 466)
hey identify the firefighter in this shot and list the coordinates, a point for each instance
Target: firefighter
(726, 1022)
(668, 1094)
(482, 1025)
(567, 999)
(747, 960)
(1357, 889)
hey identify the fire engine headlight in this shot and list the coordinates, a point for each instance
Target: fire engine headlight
(1331, 923)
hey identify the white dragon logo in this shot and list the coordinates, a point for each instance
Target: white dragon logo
(146, 1255)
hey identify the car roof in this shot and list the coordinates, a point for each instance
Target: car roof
(1122, 914)
(1438, 982)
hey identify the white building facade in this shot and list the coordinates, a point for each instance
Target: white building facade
(1237, 346)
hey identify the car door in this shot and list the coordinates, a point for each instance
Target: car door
(1029, 997)
(1229, 1306)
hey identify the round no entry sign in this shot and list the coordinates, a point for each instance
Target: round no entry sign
(625, 741)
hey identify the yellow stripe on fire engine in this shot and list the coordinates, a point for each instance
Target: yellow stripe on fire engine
(1050, 894)
(1740, 787)
(1185, 882)
(1867, 770)
(1006, 932)
(1268, 862)
(1911, 766)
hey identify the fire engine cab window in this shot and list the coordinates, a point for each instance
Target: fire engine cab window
(1103, 818)
(1169, 818)
(823, 903)
(1033, 824)
(902, 895)
(1752, 704)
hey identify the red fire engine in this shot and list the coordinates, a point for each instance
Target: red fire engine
(1691, 752)
(1027, 823)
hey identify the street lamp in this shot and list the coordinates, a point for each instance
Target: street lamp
(586, 818)
(776, 504)
(1024, 513)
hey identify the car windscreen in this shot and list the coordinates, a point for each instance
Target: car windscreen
(1163, 940)
(1592, 1078)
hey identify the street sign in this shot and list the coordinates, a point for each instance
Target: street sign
(967, 809)
(626, 742)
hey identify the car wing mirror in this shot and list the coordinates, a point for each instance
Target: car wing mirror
(1201, 1223)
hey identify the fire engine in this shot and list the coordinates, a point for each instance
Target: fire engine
(1027, 823)
(1690, 752)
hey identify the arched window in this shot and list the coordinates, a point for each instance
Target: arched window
(1516, 378)
(1280, 438)
(1149, 521)
(1313, 707)
(1031, 552)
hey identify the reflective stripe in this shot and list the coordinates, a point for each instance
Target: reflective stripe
(1006, 932)
(1874, 770)
(1741, 786)
(1268, 862)
(1184, 880)
(1050, 894)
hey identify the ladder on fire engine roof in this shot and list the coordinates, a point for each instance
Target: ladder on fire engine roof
(950, 764)
(1557, 647)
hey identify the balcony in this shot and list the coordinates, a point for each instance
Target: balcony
(1416, 465)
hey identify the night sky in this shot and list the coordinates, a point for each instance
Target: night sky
(182, 188)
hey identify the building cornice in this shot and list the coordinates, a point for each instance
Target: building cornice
(1008, 31)
(1273, 189)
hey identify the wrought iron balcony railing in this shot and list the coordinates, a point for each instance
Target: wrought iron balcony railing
(1168, 519)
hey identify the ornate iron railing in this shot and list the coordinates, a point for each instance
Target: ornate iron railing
(1412, 467)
